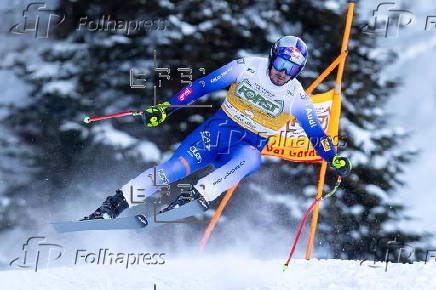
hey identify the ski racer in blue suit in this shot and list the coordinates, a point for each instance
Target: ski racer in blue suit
(264, 95)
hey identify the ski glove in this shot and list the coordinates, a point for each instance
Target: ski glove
(153, 116)
(341, 164)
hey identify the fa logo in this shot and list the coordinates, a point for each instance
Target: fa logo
(35, 252)
(387, 21)
(38, 20)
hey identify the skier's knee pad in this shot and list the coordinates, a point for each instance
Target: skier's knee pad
(245, 159)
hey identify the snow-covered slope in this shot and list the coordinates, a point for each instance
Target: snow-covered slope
(229, 272)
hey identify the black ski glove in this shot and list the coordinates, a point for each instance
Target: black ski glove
(155, 115)
(341, 164)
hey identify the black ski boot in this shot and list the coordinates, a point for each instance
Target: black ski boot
(110, 208)
(186, 197)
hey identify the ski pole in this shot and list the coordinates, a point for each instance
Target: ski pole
(300, 229)
(88, 120)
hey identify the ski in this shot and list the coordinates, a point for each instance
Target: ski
(137, 222)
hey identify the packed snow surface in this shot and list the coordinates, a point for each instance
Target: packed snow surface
(228, 272)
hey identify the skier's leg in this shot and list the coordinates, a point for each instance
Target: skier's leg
(227, 139)
(239, 163)
(198, 150)
(151, 180)
(186, 160)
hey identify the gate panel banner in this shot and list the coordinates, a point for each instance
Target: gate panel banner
(292, 143)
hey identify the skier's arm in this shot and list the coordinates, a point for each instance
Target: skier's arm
(304, 111)
(218, 79)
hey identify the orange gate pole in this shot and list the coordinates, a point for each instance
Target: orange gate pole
(215, 217)
(335, 118)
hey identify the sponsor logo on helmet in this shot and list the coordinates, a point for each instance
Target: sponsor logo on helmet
(293, 54)
(185, 93)
(301, 46)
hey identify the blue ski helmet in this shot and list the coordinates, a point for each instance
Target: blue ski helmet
(288, 53)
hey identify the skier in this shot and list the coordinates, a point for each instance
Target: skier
(264, 94)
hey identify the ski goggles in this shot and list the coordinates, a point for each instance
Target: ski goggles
(291, 69)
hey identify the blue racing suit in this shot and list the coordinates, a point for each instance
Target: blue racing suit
(233, 138)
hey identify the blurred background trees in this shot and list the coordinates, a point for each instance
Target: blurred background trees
(66, 166)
